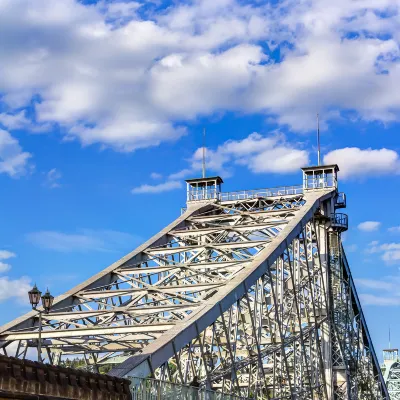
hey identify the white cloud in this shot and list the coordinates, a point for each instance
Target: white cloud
(378, 300)
(13, 348)
(162, 187)
(5, 254)
(84, 240)
(119, 12)
(357, 163)
(52, 178)
(369, 226)
(394, 229)
(19, 120)
(13, 161)
(12, 288)
(390, 251)
(375, 284)
(260, 154)
(14, 121)
(115, 75)
(15, 288)
(386, 288)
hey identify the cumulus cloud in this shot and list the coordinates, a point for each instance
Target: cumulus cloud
(13, 160)
(119, 12)
(84, 240)
(369, 226)
(390, 251)
(260, 154)
(394, 229)
(381, 292)
(161, 187)
(14, 288)
(124, 77)
(5, 255)
(357, 163)
(14, 121)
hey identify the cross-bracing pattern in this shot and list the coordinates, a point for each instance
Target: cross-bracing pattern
(251, 296)
(352, 351)
(268, 343)
(392, 378)
(297, 332)
(146, 295)
(276, 341)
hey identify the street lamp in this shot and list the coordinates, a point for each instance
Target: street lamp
(47, 301)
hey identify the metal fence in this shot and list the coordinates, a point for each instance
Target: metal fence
(153, 389)
(321, 181)
(340, 221)
(202, 194)
(244, 194)
(255, 193)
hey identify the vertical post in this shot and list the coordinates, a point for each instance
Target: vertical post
(39, 347)
(318, 144)
(204, 152)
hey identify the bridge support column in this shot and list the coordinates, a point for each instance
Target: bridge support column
(326, 326)
(338, 319)
(340, 384)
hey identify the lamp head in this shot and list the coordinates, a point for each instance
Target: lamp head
(34, 296)
(47, 301)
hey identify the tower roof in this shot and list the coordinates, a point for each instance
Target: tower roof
(205, 180)
(321, 168)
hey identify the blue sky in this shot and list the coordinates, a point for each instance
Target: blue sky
(102, 106)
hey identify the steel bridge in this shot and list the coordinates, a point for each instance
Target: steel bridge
(249, 293)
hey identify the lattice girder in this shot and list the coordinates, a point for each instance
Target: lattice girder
(106, 317)
(251, 296)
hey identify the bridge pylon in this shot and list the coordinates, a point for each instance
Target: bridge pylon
(248, 293)
(391, 372)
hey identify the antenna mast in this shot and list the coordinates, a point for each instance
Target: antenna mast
(318, 143)
(204, 152)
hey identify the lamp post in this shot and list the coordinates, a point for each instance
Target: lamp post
(47, 301)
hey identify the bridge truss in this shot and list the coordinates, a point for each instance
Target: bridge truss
(250, 295)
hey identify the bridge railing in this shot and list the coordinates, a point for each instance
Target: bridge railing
(255, 193)
(154, 389)
(245, 194)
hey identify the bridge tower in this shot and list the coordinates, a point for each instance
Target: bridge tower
(248, 292)
(391, 372)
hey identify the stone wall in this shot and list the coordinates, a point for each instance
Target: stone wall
(33, 380)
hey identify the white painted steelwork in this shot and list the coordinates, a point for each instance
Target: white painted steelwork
(250, 292)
